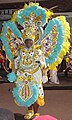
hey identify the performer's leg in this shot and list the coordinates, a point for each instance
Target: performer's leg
(35, 107)
(30, 108)
(29, 114)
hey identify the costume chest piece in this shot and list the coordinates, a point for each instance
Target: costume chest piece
(27, 57)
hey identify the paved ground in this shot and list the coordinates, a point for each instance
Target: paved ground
(58, 103)
(65, 83)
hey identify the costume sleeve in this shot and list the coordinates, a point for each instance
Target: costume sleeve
(41, 59)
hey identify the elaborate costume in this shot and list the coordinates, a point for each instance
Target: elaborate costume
(49, 47)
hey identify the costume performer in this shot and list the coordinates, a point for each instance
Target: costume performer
(32, 50)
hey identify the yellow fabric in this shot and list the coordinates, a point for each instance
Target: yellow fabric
(40, 101)
(3, 47)
(36, 115)
(16, 103)
(10, 64)
(29, 115)
(13, 19)
(49, 13)
(67, 59)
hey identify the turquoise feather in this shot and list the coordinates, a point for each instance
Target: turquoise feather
(28, 102)
(37, 10)
(11, 77)
(25, 12)
(4, 39)
(52, 58)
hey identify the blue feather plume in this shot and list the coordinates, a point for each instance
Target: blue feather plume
(11, 77)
